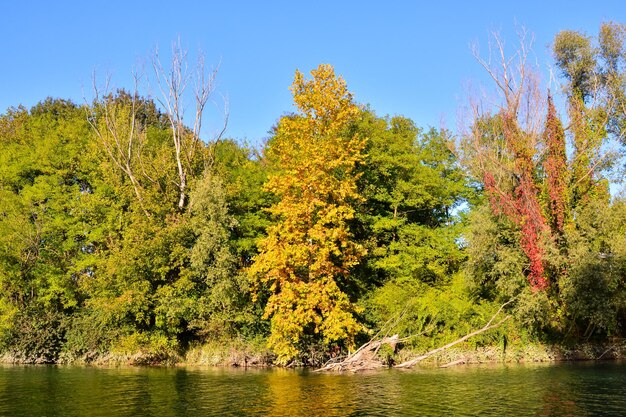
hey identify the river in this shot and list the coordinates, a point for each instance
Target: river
(570, 389)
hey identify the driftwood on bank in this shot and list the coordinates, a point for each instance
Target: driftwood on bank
(453, 363)
(413, 361)
(365, 358)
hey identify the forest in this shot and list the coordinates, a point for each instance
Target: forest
(125, 235)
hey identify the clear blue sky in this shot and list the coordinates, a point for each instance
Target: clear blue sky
(401, 57)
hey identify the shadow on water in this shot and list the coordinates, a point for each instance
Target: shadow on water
(533, 390)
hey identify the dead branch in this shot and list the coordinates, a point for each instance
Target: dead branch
(172, 83)
(614, 347)
(119, 133)
(454, 363)
(486, 327)
(363, 358)
(414, 361)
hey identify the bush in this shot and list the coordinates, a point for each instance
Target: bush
(35, 336)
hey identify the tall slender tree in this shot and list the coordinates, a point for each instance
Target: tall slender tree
(310, 249)
(556, 170)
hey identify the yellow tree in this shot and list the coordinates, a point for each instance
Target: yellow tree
(310, 248)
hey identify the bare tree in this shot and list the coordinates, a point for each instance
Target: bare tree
(172, 83)
(516, 81)
(503, 145)
(114, 120)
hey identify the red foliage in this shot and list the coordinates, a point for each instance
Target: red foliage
(521, 204)
(532, 225)
(555, 167)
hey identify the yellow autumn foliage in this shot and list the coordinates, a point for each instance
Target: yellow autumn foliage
(310, 246)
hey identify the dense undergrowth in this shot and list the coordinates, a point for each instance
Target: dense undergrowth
(127, 238)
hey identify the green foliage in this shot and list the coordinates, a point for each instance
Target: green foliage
(114, 242)
(595, 69)
(574, 55)
(411, 185)
(36, 335)
(429, 316)
(98, 239)
(496, 263)
(223, 294)
(231, 351)
(244, 172)
(593, 291)
(143, 348)
(89, 335)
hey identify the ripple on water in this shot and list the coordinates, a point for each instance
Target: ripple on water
(540, 390)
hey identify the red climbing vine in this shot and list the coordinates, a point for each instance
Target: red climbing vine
(520, 203)
(555, 167)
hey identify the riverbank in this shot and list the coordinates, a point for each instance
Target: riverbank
(239, 353)
(519, 354)
(234, 352)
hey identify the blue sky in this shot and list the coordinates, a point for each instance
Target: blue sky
(401, 57)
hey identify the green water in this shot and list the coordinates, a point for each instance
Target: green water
(515, 390)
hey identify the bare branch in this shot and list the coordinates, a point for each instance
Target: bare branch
(118, 136)
(172, 85)
(486, 327)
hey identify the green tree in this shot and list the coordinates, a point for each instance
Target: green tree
(594, 71)
(411, 185)
(45, 223)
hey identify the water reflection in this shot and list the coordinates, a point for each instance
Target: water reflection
(544, 390)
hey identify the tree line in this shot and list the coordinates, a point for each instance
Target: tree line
(122, 230)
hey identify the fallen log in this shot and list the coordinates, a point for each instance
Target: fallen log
(365, 357)
(488, 326)
(453, 363)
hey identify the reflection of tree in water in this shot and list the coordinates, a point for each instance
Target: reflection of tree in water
(542, 390)
(311, 394)
(306, 394)
(129, 391)
(584, 389)
(189, 393)
(559, 400)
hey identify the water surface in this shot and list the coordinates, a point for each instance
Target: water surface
(580, 389)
